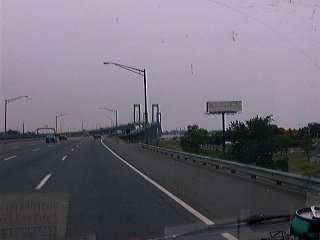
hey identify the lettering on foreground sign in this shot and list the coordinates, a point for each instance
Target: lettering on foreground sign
(33, 216)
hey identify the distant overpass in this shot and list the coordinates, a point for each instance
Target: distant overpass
(133, 132)
(46, 128)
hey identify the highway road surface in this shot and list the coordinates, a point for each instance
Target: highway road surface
(88, 188)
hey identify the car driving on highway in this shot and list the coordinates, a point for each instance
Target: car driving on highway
(51, 139)
(63, 137)
(96, 136)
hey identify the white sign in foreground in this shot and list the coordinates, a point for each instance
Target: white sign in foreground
(218, 107)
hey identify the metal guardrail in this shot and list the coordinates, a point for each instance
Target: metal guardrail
(279, 177)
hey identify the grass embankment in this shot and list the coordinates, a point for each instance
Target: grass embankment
(211, 152)
(170, 144)
(299, 164)
(298, 161)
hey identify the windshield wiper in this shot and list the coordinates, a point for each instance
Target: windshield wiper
(261, 219)
(278, 235)
(254, 222)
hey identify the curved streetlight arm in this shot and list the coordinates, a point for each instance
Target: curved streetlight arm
(131, 69)
(6, 102)
(63, 114)
(141, 73)
(15, 99)
(112, 110)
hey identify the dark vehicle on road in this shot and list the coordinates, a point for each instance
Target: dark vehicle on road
(63, 137)
(96, 136)
(51, 139)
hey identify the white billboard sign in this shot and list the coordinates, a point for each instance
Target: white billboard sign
(216, 107)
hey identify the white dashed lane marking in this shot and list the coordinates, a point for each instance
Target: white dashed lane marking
(43, 181)
(8, 158)
(228, 236)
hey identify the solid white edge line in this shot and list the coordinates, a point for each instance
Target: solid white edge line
(165, 191)
(8, 158)
(229, 236)
(43, 181)
(64, 158)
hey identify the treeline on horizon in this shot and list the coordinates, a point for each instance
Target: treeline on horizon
(255, 141)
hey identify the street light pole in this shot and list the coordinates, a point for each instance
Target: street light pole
(116, 118)
(59, 115)
(6, 102)
(56, 124)
(5, 116)
(145, 95)
(141, 73)
(112, 110)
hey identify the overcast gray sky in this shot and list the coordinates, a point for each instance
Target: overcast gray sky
(263, 52)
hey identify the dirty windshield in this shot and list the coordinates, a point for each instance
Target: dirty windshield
(160, 119)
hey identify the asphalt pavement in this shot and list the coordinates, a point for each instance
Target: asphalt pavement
(106, 199)
(218, 194)
(91, 189)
